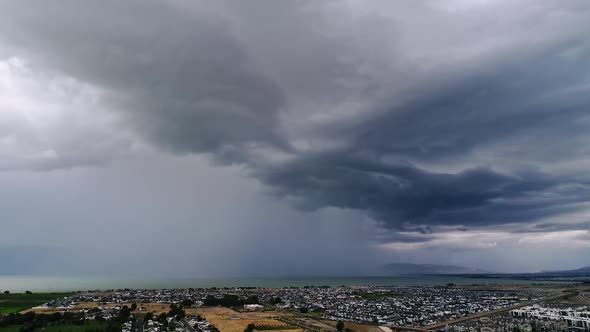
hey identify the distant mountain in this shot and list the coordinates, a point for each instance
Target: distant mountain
(584, 271)
(409, 268)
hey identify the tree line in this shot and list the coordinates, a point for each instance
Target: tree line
(230, 301)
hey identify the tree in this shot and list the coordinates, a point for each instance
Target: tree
(114, 327)
(249, 328)
(340, 326)
(149, 316)
(176, 311)
(252, 300)
(28, 292)
(187, 302)
(123, 315)
(347, 330)
(134, 306)
(162, 317)
(6, 292)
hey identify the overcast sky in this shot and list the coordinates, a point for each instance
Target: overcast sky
(240, 138)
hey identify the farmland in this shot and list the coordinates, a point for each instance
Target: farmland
(18, 302)
(228, 320)
(88, 326)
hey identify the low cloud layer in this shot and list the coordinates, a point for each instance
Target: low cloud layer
(429, 118)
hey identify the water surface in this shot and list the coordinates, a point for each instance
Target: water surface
(57, 283)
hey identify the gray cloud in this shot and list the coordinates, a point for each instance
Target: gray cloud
(183, 80)
(404, 195)
(528, 107)
(422, 116)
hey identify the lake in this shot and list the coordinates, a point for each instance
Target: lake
(59, 283)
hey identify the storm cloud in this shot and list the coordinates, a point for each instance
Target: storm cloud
(403, 195)
(429, 118)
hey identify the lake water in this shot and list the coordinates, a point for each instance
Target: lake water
(54, 283)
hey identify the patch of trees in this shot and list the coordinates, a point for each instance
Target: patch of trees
(37, 320)
(230, 301)
(187, 302)
(275, 300)
(148, 316)
(123, 315)
(176, 311)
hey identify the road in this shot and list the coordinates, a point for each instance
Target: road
(188, 326)
(139, 325)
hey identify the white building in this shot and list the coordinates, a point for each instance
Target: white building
(253, 307)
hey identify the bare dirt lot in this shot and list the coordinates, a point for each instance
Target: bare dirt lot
(228, 320)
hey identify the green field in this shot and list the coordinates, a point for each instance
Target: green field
(20, 301)
(90, 326)
(11, 328)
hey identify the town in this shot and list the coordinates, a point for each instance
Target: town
(320, 308)
(397, 306)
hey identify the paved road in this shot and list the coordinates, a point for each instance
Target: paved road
(139, 325)
(188, 326)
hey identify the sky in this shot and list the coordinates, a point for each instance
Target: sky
(293, 138)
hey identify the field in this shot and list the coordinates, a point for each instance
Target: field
(18, 302)
(11, 328)
(576, 299)
(227, 320)
(92, 325)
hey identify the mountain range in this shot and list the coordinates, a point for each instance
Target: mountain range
(584, 271)
(435, 269)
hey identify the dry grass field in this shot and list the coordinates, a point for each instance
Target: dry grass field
(578, 300)
(227, 320)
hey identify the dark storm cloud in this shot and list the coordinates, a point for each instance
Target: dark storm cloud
(534, 103)
(403, 195)
(466, 131)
